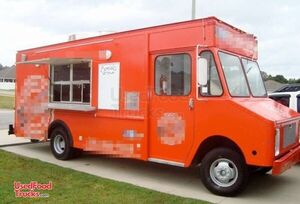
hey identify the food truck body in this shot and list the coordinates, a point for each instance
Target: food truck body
(179, 94)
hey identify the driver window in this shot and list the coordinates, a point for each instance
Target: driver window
(173, 75)
(213, 87)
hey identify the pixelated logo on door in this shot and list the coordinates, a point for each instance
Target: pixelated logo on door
(32, 114)
(171, 129)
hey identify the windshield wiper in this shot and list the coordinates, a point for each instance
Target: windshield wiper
(249, 70)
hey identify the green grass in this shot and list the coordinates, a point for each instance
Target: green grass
(7, 102)
(70, 186)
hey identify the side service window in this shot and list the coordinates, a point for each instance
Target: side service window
(173, 75)
(70, 83)
(214, 87)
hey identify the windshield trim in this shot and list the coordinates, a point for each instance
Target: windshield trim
(243, 70)
(266, 95)
(240, 58)
(219, 76)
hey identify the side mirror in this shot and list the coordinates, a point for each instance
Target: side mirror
(202, 71)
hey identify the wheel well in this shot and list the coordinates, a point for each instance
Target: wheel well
(211, 143)
(59, 123)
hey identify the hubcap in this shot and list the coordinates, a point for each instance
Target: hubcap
(59, 144)
(223, 172)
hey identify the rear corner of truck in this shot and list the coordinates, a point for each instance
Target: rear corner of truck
(31, 102)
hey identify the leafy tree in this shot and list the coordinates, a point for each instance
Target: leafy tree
(280, 79)
(264, 75)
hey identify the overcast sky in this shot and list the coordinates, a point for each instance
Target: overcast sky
(30, 23)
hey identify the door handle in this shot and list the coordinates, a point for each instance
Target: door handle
(191, 103)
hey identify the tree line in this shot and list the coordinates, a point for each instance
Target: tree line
(279, 78)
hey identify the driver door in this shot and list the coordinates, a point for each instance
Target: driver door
(172, 113)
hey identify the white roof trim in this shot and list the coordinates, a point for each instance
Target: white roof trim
(56, 61)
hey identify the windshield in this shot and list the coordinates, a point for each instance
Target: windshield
(234, 75)
(254, 78)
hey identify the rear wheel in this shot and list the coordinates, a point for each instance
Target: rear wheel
(224, 172)
(60, 144)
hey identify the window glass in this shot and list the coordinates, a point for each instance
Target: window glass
(214, 87)
(62, 73)
(65, 92)
(67, 88)
(86, 93)
(77, 92)
(56, 92)
(81, 72)
(254, 78)
(173, 75)
(234, 75)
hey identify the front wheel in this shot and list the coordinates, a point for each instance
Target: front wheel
(224, 172)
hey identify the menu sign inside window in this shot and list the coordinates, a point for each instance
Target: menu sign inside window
(109, 86)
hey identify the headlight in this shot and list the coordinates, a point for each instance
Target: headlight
(277, 142)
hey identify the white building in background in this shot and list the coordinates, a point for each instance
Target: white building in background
(7, 78)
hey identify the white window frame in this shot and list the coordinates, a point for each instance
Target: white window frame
(70, 83)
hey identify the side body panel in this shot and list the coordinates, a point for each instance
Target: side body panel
(32, 115)
(105, 131)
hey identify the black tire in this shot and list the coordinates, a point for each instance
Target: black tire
(224, 161)
(60, 152)
(34, 141)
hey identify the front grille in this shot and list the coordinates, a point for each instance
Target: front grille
(289, 135)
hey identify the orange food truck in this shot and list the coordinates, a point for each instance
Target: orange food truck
(181, 94)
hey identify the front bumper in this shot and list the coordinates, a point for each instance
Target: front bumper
(287, 161)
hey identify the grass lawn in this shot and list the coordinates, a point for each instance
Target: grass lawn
(7, 102)
(70, 186)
